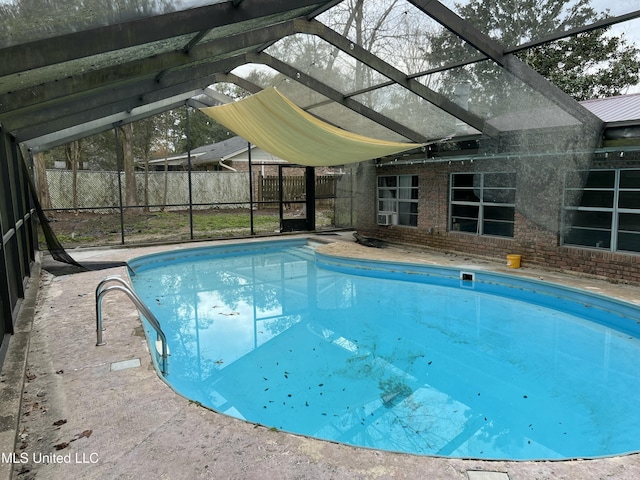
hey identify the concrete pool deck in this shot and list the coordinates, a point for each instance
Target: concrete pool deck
(103, 413)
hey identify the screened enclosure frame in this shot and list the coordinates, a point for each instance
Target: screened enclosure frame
(87, 72)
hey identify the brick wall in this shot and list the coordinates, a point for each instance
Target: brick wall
(536, 235)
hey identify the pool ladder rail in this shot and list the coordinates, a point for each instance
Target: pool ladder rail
(102, 290)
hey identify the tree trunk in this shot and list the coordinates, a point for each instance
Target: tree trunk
(146, 182)
(42, 185)
(73, 152)
(131, 198)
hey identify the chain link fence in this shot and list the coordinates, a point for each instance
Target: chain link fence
(89, 208)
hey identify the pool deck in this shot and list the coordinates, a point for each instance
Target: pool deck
(90, 412)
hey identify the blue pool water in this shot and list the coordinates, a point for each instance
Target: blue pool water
(397, 357)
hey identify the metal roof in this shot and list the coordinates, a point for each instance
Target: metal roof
(616, 110)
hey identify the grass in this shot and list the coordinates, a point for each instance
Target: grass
(85, 229)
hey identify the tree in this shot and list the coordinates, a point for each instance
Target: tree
(42, 186)
(203, 130)
(591, 64)
(126, 148)
(390, 29)
(74, 152)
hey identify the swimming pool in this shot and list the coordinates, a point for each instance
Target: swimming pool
(418, 359)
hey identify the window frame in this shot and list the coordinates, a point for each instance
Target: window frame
(482, 220)
(398, 194)
(615, 211)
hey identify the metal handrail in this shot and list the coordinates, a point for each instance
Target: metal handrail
(101, 291)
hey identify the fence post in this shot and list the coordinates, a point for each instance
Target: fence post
(115, 130)
(189, 172)
(250, 188)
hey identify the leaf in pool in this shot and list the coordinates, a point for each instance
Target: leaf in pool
(321, 384)
(219, 362)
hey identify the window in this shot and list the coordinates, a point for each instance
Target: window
(398, 200)
(483, 203)
(605, 212)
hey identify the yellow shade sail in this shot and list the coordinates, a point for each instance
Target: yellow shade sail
(275, 124)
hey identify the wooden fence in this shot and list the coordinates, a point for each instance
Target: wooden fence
(294, 188)
(96, 190)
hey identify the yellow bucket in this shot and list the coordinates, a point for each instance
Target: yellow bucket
(513, 261)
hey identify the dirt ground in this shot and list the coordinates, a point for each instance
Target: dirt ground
(89, 229)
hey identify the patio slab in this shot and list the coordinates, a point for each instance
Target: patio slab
(81, 418)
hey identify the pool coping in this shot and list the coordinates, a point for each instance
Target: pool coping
(73, 381)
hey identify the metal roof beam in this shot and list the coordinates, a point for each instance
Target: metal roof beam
(124, 99)
(496, 52)
(337, 96)
(51, 51)
(47, 141)
(126, 96)
(606, 22)
(324, 90)
(95, 82)
(314, 27)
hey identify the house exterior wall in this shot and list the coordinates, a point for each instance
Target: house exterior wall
(536, 235)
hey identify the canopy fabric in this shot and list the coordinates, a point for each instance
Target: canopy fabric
(275, 124)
